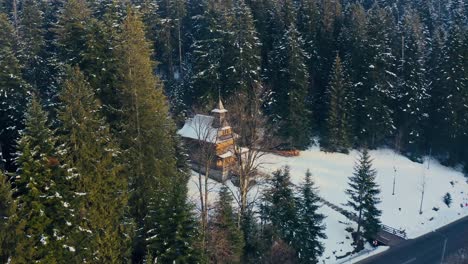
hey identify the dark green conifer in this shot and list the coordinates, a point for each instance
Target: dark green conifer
(225, 243)
(13, 93)
(7, 219)
(147, 138)
(340, 111)
(363, 197)
(310, 223)
(100, 188)
(43, 195)
(279, 205)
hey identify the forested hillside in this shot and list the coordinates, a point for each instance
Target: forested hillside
(92, 92)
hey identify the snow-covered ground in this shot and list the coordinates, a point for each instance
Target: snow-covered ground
(401, 211)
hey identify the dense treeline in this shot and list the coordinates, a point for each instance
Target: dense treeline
(401, 80)
(91, 169)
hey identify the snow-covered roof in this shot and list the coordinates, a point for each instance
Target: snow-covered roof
(226, 154)
(199, 127)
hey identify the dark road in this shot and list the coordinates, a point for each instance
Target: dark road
(427, 249)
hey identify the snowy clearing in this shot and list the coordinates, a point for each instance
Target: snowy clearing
(401, 211)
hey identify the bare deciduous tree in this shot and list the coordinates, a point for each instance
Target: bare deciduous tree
(253, 142)
(203, 154)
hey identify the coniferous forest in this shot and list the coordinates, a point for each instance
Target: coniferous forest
(92, 93)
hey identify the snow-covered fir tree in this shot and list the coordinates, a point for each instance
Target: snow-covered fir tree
(311, 228)
(279, 206)
(340, 110)
(13, 93)
(100, 190)
(7, 218)
(363, 197)
(43, 194)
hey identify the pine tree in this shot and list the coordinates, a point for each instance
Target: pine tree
(241, 63)
(310, 223)
(279, 205)
(7, 218)
(340, 110)
(164, 20)
(330, 26)
(176, 239)
(99, 61)
(92, 155)
(32, 43)
(147, 137)
(42, 68)
(288, 78)
(375, 95)
(225, 239)
(363, 197)
(13, 91)
(43, 195)
(206, 54)
(412, 96)
(456, 80)
(437, 127)
(308, 18)
(71, 31)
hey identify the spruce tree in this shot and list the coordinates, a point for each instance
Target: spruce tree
(147, 138)
(32, 42)
(279, 206)
(13, 93)
(288, 78)
(99, 62)
(363, 198)
(437, 128)
(7, 219)
(42, 191)
(241, 59)
(176, 239)
(225, 239)
(310, 223)
(340, 110)
(92, 154)
(206, 54)
(456, 80)
(330, 26)
(375, 95)
(71, 31)
(412, 97)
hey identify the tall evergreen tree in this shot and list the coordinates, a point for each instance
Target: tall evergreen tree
(91, 153)
(225, 239)
(206, 54)
(288, 78)
(32, 42)
(43, 195)
(241, 63)
(147, 137)
(7, 219)
(279, 205)
(456, 80)
(437, 127)
(375, 96)
(363, 197)
(310, 223)
(412, 96)
(13, 93)
(71, 31)
(340, 110)
(99, 61)
(330, 26)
